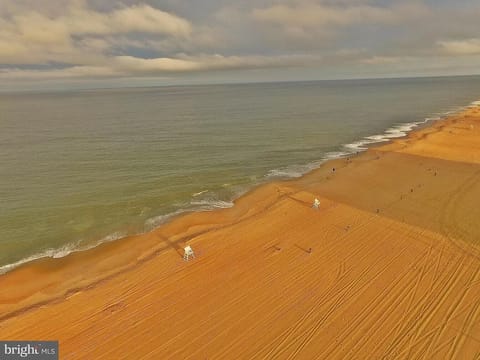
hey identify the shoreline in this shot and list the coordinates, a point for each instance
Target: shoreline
(395, 238)
(396, 131)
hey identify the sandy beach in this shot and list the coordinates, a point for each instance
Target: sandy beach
(393, 271)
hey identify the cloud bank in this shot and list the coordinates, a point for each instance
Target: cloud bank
(90, 39)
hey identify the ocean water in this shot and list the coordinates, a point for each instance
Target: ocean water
(83, 167)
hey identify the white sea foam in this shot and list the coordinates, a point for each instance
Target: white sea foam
(393, 132)
(62, 251)
(357, 145)
(294, 171)
(283, 173)
(331, 155)
(211, 204)
(51, 253)
(199, 193)
(8, 267)
(156, 221)
(194, 205)
(112, 237)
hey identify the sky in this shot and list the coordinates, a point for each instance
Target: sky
(102, 43)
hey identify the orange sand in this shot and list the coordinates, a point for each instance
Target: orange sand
(394, 271)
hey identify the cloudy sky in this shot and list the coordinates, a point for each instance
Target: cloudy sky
(92, 43)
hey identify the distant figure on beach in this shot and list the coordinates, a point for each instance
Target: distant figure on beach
(309, 250)
(333, 169)
(316, 204)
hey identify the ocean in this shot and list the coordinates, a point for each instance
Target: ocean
(78, 168)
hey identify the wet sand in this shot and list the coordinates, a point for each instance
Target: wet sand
(388, 267)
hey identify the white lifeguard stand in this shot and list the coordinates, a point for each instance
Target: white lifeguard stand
(188, 253)
(316, 204)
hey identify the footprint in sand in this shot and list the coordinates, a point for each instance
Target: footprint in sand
(114, 307)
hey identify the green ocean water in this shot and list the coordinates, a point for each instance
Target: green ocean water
(82, 167)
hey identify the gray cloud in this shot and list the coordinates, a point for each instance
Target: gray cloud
(315, 16)
(93, 39)
(461, 47)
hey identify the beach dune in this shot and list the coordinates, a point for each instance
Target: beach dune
(387, 267)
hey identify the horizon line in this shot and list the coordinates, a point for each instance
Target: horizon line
(222, 83)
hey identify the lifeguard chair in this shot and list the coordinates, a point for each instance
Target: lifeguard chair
(188, 253)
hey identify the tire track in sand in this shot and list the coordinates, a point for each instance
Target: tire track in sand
(453, 309)
(427, 309)
(333, 297)
(340, 300)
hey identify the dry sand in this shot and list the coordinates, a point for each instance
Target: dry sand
(394, 271)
